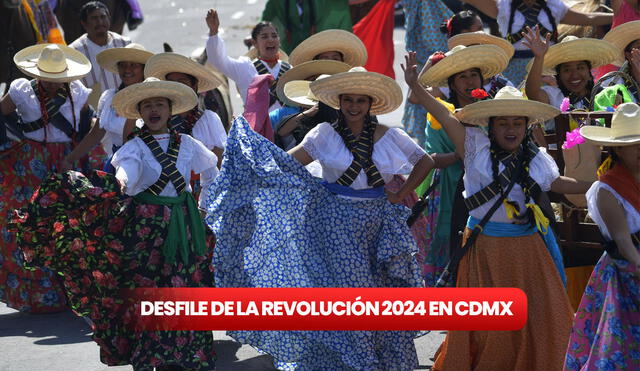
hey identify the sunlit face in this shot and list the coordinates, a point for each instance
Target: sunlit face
(354, 107)
(331, 56)
(267, 43)
(509, 131)
(156, 113)
(575, 76)
(630, 157)
(183, 78)
(97, 23)
(130, 72)
(465, 82)
(475, 27)
(51, 87)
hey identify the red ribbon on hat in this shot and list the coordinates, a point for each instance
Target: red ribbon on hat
(449, 26)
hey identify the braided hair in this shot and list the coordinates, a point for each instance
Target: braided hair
(574, 98)
(453, 97)
(527, 157)
(516, 3)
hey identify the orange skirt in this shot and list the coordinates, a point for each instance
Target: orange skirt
(521, 262)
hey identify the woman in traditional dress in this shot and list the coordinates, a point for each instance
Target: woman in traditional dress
(514, 16)
(100, 240)
(606, 331)
(505, 171)
(204, 125)
(46, 117)
(264, 58)
(459, 71)
(128, 63)
(571, 61)
(278, 226)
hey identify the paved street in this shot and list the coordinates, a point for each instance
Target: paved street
(62, 341)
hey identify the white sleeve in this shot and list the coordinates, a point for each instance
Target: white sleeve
(80, 93)
(558, 9)
(128, 163)
(544, 170)
(17, 91)
(407, 146)
(554, 95)
(475, 140)
(236, 69)
(209, 130)
(204, 162)
(314, 143)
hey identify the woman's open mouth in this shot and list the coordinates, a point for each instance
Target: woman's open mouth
(154, 119)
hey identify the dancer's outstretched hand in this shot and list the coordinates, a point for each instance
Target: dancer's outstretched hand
(213, 21)
(410, 68)
(534, 41)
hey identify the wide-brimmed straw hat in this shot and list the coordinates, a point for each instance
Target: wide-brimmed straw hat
(181, 96)
(162, 64)
(299, 94)
(349, 45)
(481, 38)
(133, 52)
(385, 91)
(253, 54)
(490, 59)
(306, 70)
(52, 62)
(508, 101)
(621, 36)
(624, 130)
(573, 49)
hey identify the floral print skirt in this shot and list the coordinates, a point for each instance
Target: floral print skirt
(101, 241)
(606, 330)
(23, 165)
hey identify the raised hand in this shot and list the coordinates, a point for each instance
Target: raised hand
(410, 68)
(635, 58)
(534, 41)
(213, 22)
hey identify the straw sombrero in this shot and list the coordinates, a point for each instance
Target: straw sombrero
(385, 91)
(181, 96)
(162, 64)
(298, 93)
(253, 54)
(621, 36)
(624, 130)
(133, 52)
(481, 38)
(490, 59)
(306, 70)
(572, 49)
(52, 62)
(353, 50)
(508, 101)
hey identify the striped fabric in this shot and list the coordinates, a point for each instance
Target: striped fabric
(361, 149)
(168, 162)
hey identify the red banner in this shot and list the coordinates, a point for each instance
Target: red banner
(327, 309)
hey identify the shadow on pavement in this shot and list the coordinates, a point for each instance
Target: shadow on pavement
(56, 328)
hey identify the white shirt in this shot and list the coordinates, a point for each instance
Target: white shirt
(478, 174)
(631, 214)
(138, 169)
(28, 108)
(107, 79)
(394, 153)
(240, 70)
(557, 7)
(208, 129)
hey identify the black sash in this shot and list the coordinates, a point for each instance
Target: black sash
(53, 112)
(262, 70)
(167, 160)
(510, 162)
(530, 19)
(361, 149)
(184, 125)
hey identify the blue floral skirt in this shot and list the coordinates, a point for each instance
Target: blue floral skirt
(278, 226)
